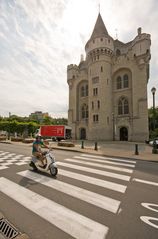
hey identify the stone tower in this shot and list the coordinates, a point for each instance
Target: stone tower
(108, 90)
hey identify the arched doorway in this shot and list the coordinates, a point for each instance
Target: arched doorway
(123, 134)
(82, 133)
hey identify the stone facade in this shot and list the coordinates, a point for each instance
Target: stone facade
(108, 90)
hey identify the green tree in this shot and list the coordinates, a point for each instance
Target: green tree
(153, 121)
(47, 120)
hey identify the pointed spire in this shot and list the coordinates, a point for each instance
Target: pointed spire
(99, 28)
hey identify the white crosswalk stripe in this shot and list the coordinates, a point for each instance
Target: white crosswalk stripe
(106, 203)
(95, 171)
(105, 161)
(95, 181)
(101, 165)
(112, 159)
(7, 159)
(81, 226)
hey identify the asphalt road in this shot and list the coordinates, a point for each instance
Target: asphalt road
(92, 196)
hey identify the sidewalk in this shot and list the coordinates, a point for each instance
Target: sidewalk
(107, 148)
(114, 149)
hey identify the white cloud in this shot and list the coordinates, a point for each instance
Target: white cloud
(39, 38)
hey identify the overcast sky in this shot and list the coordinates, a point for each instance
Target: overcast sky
(39, 38)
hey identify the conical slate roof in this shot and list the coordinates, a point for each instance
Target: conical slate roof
(99, 29)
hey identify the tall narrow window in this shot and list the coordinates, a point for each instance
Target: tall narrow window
(119, 82)
(84, 111)
(95, 91)
(101, 69)
(126, 107)
(86, 90)
(92, 105)
(123, 106)
(82, 91)
(95, 118)
(120, 112)
(125, 81)
(98, 104)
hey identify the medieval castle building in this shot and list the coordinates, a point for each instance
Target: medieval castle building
(108, 90)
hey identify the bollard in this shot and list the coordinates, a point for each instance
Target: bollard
(96, 146)
(136, 149)
(82, 145)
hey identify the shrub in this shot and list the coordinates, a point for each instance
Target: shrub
(66, 144)
(18, 139)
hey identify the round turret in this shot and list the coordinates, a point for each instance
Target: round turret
(100, 43)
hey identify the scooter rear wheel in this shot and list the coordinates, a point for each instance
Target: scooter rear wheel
(53, 171)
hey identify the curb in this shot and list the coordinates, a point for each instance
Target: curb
(85, 151)
(102, 154)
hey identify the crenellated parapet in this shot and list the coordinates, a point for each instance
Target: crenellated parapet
(97, 53)
(137, 49)
(72, 72)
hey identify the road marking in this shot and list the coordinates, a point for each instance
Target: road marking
(27, 157)
(105, 161)
(76, 225)
(95, 171)
(98, 200)
(3, 167)
(144, 181)
(100, 165)
(11, 160)
(18, 156)
(147, 221)
(91, 180)
(150, 205)
(113, 159)
(5, 163)
(1, 154)
(21, 163)
(11, 154)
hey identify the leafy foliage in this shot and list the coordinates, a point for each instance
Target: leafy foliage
(24, 126)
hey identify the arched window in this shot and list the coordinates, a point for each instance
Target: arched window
(119, 82)
(123, 106)
(84, 90)
(84, 111)
(125, 81)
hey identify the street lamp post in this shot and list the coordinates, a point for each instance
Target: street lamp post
(153, 90)
(9, 127)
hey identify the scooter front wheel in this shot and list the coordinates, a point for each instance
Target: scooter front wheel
(53, 171)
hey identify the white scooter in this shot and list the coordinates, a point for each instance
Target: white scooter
(50, 163)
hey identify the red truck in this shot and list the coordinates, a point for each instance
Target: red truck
(56, 132)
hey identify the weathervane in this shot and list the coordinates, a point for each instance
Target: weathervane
(99, 7)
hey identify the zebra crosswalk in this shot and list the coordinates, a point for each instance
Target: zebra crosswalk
(7, 159)
(103, 173)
